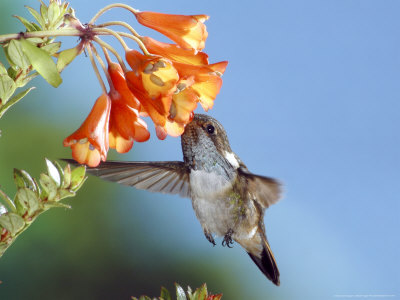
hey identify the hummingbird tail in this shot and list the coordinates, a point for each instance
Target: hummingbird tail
(264, 259)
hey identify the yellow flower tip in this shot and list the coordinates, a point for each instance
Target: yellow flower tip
(85, 153)
(120, 144)
(174, 129)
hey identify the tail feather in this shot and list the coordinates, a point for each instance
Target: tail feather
(263, 257)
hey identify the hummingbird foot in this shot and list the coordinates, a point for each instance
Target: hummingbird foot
(209, 237)
(227, 241)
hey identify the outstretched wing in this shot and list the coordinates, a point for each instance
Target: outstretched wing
(267, 190)
(170, 177)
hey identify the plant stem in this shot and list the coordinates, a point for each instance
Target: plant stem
(113, 51)
(108, 7)
(101, 62)
(119, 23)
(96, 69)
(38, 34)
(113, 33)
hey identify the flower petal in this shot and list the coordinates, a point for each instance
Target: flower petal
(189, 32)
(119, 83)
(95, 128)
(174, 52)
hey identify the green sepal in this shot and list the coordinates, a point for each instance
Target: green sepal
(144, 298)
(49, 186)
(26, 200)
(12, 222)
(42, 62)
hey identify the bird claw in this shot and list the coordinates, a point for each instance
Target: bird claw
(209, 237)
(227, 241)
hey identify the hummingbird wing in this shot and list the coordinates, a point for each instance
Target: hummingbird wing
(267, 190)
(169, 177)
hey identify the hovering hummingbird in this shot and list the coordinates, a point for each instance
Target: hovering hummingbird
(228, 200)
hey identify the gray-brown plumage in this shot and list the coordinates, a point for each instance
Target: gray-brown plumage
(228, 200)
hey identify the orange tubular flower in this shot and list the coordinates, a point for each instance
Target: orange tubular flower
(125, 124)
(89, 143)
(189, 32)
(207, 80)
(157, 74)
(174, 52)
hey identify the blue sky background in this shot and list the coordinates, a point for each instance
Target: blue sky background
(311, 96)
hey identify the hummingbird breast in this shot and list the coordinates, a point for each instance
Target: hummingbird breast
(218, 206)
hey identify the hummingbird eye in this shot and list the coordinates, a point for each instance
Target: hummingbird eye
(210, 129)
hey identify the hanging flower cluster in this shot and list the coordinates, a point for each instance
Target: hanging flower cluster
(163, 81)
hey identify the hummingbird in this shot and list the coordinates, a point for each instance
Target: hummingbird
(229, 200)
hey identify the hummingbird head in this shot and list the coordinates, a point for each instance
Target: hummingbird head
(205, 144)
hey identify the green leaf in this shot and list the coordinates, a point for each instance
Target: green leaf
(60, 171)
(26, 201)
(3, 70)
(52, 48)
(66, 193)
(7, 88)
(42, 63)
(14, 100)
(49, 205)
(77, 177)
(180, 293)
(37, 16)
(12, 222)
(28, 25)
(165, 295)
(24, 79)
(23, 180)
(37, 27)
(36, 41)
(17, 55)
(43, 11)
(52, 171)
(53, 13)
(67, 176)
(144, 298)
(49, 186)
(66, 57)
(200, 293)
